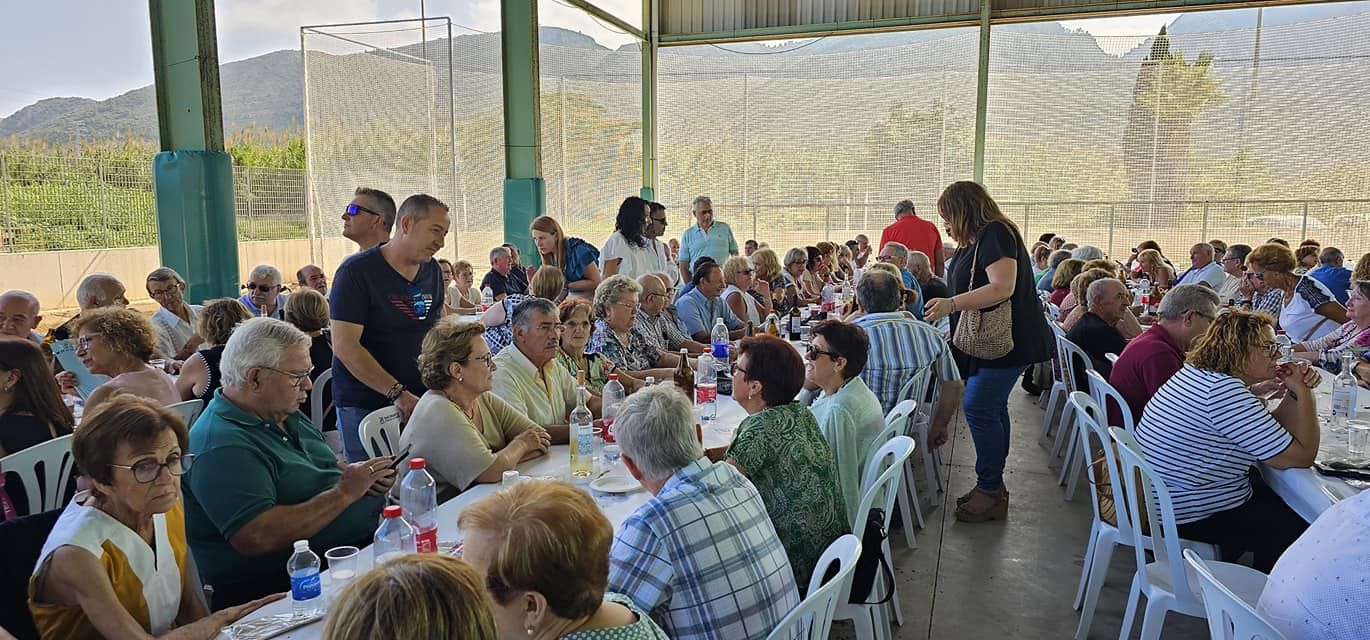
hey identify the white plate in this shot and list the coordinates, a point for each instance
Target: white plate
(616, 484)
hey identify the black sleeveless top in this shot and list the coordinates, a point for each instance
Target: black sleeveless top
(212, 356)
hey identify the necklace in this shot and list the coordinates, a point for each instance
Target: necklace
(469, 413)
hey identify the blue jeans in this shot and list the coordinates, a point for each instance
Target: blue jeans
(986, 406)
(349, 419)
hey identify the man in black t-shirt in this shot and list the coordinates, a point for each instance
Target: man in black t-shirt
(384, 301)
(503, 277)
(1095, 331)
(932, 286)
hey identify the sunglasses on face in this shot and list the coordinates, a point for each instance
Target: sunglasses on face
(147, 470)
(353, 209)
(812, 353)
(264, 288)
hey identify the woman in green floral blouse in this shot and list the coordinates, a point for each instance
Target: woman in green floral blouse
(781, 450)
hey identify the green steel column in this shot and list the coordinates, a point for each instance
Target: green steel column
(525, 194)
(193, 176)
(982, 92)
(649, 50)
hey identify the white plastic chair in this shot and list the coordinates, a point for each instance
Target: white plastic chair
(189, 410)
(1163, 581)
(1072, 463)
(879, 488)
(927, 406)
(45, 469)
(812, 619)
(1105, 394)
(1230, 617)
(380, 431)
(317, 407)
(1056, 396)
(1111, 357)
(896, 423)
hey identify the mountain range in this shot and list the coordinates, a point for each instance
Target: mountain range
(265, 92)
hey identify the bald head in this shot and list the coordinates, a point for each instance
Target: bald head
(19, 314)
(100, 290)
(1201, 254)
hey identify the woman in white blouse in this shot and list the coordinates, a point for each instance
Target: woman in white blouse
(1310, 311)
(627, 251)
(466, 434)
(740, 276)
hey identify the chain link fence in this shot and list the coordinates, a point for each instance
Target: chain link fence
(51, 203)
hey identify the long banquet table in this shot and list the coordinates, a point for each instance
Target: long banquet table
(1305, 490)
(717, 433)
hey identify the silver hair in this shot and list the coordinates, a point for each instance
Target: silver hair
(1097, 289)
(701, 199)
(97, 290)
(795, 254)
(500, 252)
(258, 343)
(918, 257)
(1189, 297)
(163, 274)
(523, 313)
(1057, 257)
(880, 292)
(904, 206)
(900, 251)
(1330, 255)
(611, 289)
(266, 271)
(655, 428)
(1087, 252)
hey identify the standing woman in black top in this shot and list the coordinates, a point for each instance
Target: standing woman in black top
(1002, 274)
(31, 407)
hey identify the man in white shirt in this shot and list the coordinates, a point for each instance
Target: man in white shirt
(175, 320)
(660, 251)
(20, 315)
(1234, 267)
(527, 374)
(1204, 269)
(1320, 584)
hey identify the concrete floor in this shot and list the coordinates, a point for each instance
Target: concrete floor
(1014, 578)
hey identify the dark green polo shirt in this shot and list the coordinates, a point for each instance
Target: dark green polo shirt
(244, 466)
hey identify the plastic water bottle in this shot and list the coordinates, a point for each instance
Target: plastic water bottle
(306, 590)
(394, 537)
(419, 501)
(487, 299)
(706, 388)
(613, 396)
(582, 438)
(1344, 389)
(828, 299)
(719, 338)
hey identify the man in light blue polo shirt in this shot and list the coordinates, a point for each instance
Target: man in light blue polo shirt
(707, 237)
(698, 308)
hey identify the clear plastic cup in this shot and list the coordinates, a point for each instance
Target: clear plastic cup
(342, 565)
(1358, 440)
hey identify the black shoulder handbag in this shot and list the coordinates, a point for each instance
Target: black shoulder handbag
(871, 565)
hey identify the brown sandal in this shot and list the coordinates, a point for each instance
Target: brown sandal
(991, 506)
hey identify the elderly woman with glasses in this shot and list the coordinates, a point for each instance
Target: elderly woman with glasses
(781, 449)
(577, 319)
(740, 276)
(796, 273)
(466, 434)
(782, 294)
(540, 587)
(1204, 430)
(616, 335)
(1309, 310)
(848, 412)
(116, 564)
(1352, 337)
(118, 343)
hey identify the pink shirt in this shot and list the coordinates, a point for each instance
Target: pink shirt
(148, 382)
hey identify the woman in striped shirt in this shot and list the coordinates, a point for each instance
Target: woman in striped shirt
(1204, 430)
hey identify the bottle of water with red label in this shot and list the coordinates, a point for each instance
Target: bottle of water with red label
(394, 537)
(706, 388)
(613, 396)
(306, 589)
(419, 499)
(487, 299)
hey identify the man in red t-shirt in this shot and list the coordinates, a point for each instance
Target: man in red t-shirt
(915, 233)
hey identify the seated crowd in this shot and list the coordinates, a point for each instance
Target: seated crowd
(484, 377)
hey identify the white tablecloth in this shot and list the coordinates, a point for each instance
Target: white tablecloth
(557, 463)
(1304, 489)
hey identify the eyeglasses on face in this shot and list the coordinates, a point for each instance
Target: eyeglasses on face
(576, 325)
(548, 327)
(147, 469)
(353, 209)
(296, 379)
(488, 359)
(738, 368)
(264, 288)
(1256, 276)
(631, 306)
(83, 342)
(1272, 349)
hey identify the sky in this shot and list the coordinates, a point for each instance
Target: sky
(102, 48)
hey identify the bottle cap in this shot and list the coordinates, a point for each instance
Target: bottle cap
(416, 463)
(392, 511)
(613, 376)
(302, 545)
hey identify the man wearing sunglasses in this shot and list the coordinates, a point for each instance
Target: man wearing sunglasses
(368, 219)
(661, 251)
(1233, 263)
(264, 297)
(384, 300)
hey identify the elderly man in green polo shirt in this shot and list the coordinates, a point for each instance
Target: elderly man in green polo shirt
(264, 477)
